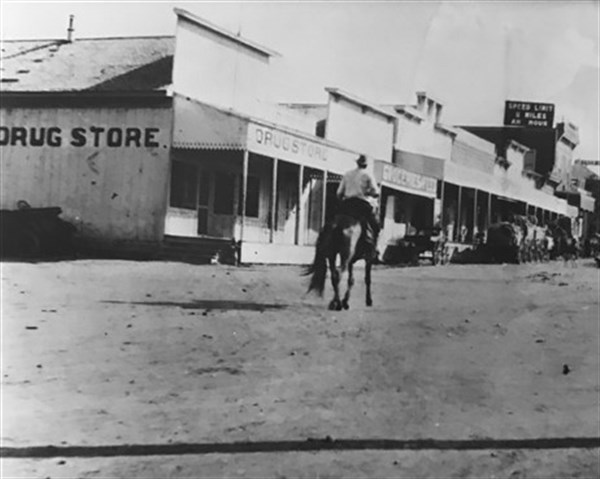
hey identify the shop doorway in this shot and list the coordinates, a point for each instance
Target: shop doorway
(202, 197)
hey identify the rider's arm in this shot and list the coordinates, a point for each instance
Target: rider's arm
(372, 188)
(341, 190)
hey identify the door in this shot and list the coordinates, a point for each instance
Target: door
(221, 218)
(203, 179)
(182, 213)
(286, 204)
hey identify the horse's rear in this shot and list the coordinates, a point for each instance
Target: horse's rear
(342, 237)
(504, 242)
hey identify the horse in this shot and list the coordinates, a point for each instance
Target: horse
(504, 242)
(528, 247)
(343, 237)
(565, 244)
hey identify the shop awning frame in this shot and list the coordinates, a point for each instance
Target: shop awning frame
(198, 125)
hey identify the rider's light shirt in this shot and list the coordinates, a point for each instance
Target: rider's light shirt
(357, 183)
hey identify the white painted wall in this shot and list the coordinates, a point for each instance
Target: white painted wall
(475, 141)
(217, 70)
(223, 72)
(108, 192)
(365, 131)
(514, 173)
(421, 137)
(563, 162)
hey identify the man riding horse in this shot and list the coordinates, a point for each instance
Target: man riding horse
(351, 235)
(356, 191)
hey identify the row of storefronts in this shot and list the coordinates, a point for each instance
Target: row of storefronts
(217, 158)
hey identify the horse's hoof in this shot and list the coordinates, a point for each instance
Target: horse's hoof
(369, 302)
(332, 306)
(345, 304)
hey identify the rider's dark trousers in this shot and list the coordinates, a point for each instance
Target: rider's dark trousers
(359, 208)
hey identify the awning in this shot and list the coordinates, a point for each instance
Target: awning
(200, 126)
(297, 147)
(400, 179)
(504, 188)
(509, 200)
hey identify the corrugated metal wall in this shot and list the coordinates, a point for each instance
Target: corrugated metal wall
(111, 183)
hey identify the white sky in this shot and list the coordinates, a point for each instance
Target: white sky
(472, 55)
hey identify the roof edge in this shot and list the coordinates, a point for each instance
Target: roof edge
(201, 22)
(359, 101)
(83, 98)
(83, 39)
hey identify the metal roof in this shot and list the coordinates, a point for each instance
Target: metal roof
(105, 64)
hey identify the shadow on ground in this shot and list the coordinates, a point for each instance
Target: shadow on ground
(208, 304)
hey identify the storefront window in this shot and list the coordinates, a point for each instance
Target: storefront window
(184, 185)
(253, 191)
(224, 188)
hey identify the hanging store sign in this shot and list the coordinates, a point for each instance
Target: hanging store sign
(399, 178)
(280, 144)
(528, 114)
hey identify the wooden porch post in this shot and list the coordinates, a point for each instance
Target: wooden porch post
(442, 222)
(475, 216)
(324, 200)
(273, 200)
(489, 210)
(299, 209)
(244, 192)
(458, 216)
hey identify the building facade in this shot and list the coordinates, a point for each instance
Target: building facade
(130, 159)
(145, 140)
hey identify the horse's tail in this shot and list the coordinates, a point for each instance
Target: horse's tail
(318, 269)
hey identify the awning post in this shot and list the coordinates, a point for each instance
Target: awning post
(442, 191)
(458, 215)
(299, 209)
(273, 200)
(489, 210)
(244, 192)
(324, 199)
(475, 216)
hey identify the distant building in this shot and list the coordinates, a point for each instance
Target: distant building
(583, 192)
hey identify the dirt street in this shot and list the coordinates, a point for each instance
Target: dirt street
(118, 353)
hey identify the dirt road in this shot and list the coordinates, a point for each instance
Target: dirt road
(117, 353)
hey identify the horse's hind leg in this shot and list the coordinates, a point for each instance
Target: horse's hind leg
(335, 303)
(369, 300)
(345, 303)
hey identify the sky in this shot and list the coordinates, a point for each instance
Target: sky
(471, 55)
